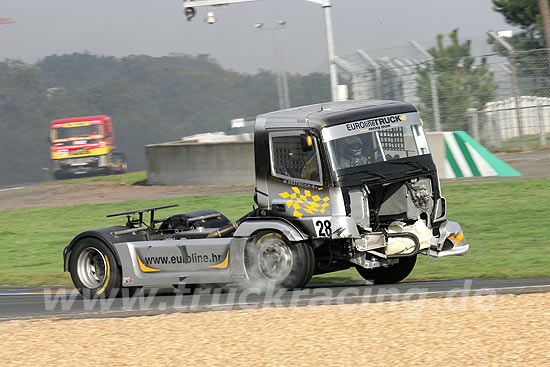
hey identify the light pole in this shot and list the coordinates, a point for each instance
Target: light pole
(282, 81)
(433, 85)
(189, 9)
(512, 59)
(326, 5)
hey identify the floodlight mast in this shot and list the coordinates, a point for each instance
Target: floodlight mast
(326, 5)
(189, 6)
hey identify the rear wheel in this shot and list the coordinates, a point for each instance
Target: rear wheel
(391, 274)
(271, 259)
(94, 269)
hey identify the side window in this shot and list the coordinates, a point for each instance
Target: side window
(288, 160)
(421, 140)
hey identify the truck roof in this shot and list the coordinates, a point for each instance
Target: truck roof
(333, 113)
(84, 118)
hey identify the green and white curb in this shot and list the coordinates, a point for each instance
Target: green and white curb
(465, 157)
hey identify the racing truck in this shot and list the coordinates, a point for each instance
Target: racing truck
(338, 185)
(84, 145)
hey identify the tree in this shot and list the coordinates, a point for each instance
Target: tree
(531, 59)
(526, 15)
(461, 83)
(23, 134)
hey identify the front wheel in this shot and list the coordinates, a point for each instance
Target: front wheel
(271, 259)
(94, 269)
(391, 274)
(60, 175)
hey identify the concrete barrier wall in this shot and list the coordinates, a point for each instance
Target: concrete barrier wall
(224, 163)
(227, 163)
(437, 148)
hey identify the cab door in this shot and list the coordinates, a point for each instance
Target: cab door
(297, 190)
(295, 187)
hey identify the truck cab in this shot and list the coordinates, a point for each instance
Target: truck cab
(358, 178)
(83, 145)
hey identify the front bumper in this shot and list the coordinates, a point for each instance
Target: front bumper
(450, 242)
(80, 165)
(455, 251)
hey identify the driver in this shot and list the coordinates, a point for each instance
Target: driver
(352, 155)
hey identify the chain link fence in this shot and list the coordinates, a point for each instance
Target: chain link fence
(501, 98)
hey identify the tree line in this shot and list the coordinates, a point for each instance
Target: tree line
(151, 100)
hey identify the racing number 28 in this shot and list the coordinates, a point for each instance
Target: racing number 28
(324, 228)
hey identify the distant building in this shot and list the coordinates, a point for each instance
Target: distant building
(216, 137)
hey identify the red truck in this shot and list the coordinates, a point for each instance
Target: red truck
(84, 145)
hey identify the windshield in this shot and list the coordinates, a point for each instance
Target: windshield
(77, 132)
(377, 140)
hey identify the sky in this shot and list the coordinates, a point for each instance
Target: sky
(159, 27)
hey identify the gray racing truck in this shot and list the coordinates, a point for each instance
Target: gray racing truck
(338, 185)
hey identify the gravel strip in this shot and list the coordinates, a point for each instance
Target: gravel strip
(104, 192)
(499, 330)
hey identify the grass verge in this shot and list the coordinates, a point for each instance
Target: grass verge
(33, 239)
(505, 223)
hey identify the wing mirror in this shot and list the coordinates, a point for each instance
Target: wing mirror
(306, 141)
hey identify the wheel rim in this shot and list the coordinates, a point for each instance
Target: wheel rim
(274, 259)
(91, 268)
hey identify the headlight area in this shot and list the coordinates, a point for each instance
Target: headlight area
(458, 240)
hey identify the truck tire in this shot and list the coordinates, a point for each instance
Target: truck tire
(271, 260)
(391, 274)
(94, 270)
(60, 175)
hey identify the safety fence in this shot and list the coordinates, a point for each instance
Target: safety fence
(507, 124)
(499, 97)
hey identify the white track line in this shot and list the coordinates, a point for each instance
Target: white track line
(13, 188)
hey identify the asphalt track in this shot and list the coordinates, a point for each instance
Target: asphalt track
(66, 303)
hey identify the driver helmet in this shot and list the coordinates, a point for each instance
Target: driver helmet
(354, 146)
